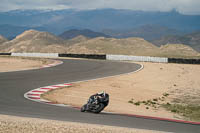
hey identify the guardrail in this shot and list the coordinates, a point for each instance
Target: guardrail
(110, 57)
(5, 53)
(184, 61)
(88, 56)
(137, 58)
(35, 54)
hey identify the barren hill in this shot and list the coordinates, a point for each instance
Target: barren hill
(34, 41)
(178, 50)
(2, 39)
(128, 46)
(43, 38)
(131, 46)
(77, 39)
(192, 40)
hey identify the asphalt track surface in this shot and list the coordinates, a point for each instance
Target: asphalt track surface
(13, 85)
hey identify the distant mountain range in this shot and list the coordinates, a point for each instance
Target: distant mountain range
(86, 32)
(97, 20)
(148, 32)
(192, 40)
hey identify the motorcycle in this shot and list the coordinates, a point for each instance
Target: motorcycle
(95, 105)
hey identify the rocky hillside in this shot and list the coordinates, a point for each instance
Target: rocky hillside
(178, 50)
(77, 39)
(87, 33)
(131, 46)
(2, 39)
(192, 40)
(34, 41)
(128, 46)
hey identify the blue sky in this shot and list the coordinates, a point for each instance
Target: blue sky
(183, 6)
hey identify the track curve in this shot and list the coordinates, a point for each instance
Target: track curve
(13, 85)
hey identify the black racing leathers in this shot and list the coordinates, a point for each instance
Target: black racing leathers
(100, 98)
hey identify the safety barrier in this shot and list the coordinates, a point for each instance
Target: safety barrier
(110, 57)
(5, 53)
(88, 56)
(137, 58)
(184, 61)
(35, 54)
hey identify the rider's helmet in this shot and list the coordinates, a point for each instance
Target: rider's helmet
(102, 93)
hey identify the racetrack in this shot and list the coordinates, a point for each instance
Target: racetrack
(13, 85)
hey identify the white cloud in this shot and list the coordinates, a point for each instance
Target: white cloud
(7, 5)
(183, 6)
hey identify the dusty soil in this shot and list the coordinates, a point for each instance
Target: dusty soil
(11, 124)
(153, 82)
(19, 63)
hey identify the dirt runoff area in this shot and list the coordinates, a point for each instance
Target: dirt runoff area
(141, 93)
(21, 63)
(12, 124)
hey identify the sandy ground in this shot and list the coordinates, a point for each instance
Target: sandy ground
(153, 82)
(19, 63)
(180, 81)
(12, 124)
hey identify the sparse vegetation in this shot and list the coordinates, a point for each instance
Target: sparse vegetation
(155, 99)
(131, 101)
(191, 112)
(154, 103)
(175, 85)
(165, 94)
(137, 103)
(151, 103)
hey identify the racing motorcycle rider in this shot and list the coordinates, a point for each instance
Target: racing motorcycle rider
(101, 97)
